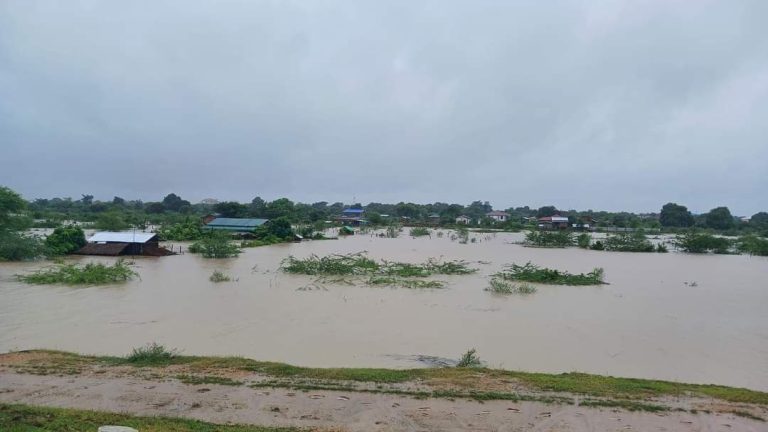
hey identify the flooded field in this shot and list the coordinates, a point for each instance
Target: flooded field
(699, 319)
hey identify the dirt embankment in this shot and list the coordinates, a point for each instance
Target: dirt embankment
(222, 395)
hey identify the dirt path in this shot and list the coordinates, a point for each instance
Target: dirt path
(350, 411)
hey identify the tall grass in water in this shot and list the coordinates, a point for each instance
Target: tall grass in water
(501, 286)
(359, 264)
(218, 276)
(151, 354)
(420, 232)
(89, 274)
(532, 273)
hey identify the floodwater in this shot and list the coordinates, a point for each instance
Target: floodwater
(652, 321)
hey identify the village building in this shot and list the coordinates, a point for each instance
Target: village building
(235, 225)
(109, 243)
(498, 216)
(464, 220)
(352, 217)
(553, 222)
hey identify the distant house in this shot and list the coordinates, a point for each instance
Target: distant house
(110, 243)
(498, 216)
(464, 220)
(235, 225)
(553, 222)
(352, 217)
(585, 223)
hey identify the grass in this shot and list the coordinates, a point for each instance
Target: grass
(24, 418)
(56, 362)
(218, 276)
(405, 283)
(89, 274)
(501, 286)
(532, 273)
(420, 232)
(469, 359)
(358, 264)
(208, 379)
(151, 354)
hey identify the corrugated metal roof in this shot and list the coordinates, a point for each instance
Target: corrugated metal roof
(121, 237)
(351, 210)
(230, 223)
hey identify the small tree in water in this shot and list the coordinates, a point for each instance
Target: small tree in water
(469, 359)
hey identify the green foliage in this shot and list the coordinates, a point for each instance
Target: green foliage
(184, 231)
(11, 203)
(89, 274)
(405, 283)
(111, 221)
(501, 286)
(462, 233)
(359, 264)
(265, 241)
(549, 238)
(661, 248)
(675, 215)
(151, 355)
(753, 245)
(532, 273)
(15, 246)
(584, 240)
(628, 242)
(279, 227)
(393, 231)
(719, 218)
(218, 276)
(215, 244)
(469, 359)
(66, 239)
(697, 242)
(419, 232)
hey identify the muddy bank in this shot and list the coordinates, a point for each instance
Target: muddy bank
(197, 392)
(650, 322)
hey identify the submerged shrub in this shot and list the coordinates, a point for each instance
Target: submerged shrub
(419, 232)
(628, 242)
(218, 276)
(469, 359)
(186, 231)
(405, 283)
(15, 246)
(215, 244)
(549, 239)
(501, 286)
(753, 245)
(584, 240)
(360, 264)
(696, 242)
(89, 274)
(532, 273)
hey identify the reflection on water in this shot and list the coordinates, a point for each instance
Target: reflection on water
(647, 323)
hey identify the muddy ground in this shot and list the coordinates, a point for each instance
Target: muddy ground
(249, 400)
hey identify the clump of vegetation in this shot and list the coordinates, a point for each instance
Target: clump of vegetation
(469, 359)
(533, 273)
(215, 244)
(628, 242)
(584, 240)
(697, 242)
(598, 245)
(65, 239)
(753, 245)
(405, 283)
(89, 274)
(151, 354)
(559, 238)
(185, 231)
(501, 286)
(266, 241)
(360, 264)
(420, 232)
(393, 231)
(462, 233)
(16, 246)
(345, 231)
(661, 248)
(218, 276)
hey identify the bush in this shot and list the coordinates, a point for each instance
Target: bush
(90, 274)
(15, 246)
(279, 227)
(549, 239)
(152, 354)
(753, 245)
(469, 359)
(64, 240)
(500, 286)
(695, 242)
(419, 232)
(532, 273)
(215, 244)
(111, 222)
(584, 240)
(218, 276)
(628, 242)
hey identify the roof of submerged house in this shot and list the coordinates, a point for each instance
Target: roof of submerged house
(555, 218)
(353, 210)
(497, 213)
(235, 224)
(121, 237)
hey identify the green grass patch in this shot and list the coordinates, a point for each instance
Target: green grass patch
(420, 232)
(533, 273)
(151, 354)
(208, 379)
(559, 239)
(359, 264)
(405, 283)
(218, 276)
(24, 418)
(501, 286)
(89, 274)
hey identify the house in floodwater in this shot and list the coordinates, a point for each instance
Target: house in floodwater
(234, 225)
(464, 220)
(111, 243)
(352, 217)
(553, 222)
(498, 216)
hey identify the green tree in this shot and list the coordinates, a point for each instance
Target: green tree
(675, 215)
(11, 204)
(174, 202)
(231, 209)
(759, 220)
(719, 218)
(65, 239)
(282, 207)
(546, 211)
(111, 221)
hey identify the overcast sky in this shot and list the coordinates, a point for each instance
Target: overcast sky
(581, 104)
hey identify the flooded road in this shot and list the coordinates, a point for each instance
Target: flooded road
(652, 321)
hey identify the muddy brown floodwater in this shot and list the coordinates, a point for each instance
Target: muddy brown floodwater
(652, 321)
